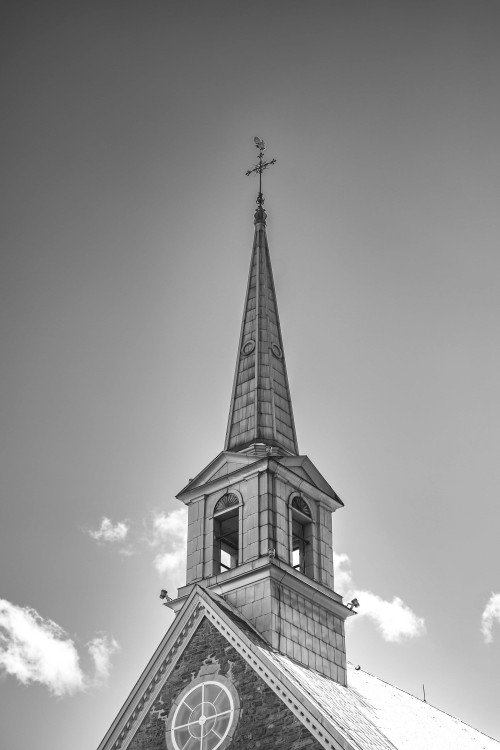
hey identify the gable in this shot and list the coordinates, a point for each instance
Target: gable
(186, 650)
(303, 466)
(223, 465)
(281, 703)
(228, 468)
(264, 720)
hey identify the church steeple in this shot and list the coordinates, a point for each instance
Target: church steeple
(260, 413)
(260, 514)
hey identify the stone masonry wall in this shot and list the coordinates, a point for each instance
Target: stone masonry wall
(265, 722)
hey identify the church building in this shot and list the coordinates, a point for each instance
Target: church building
(256, 655)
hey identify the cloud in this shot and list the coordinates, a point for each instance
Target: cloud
(394, 619)
(107, 532)
(490, 614)
(169, 531)
(101, 650)
(166, 533)
(343, 575)
(36, 650)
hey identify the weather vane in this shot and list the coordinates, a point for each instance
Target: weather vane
(259, 168)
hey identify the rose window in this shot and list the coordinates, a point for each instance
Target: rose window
(203, 717)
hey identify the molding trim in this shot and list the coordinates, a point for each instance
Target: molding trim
(277, 570)
(150, 683)
(274, 680)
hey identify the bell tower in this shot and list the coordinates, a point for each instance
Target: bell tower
(260, 514)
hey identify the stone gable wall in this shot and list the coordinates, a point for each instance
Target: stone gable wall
(265, 722)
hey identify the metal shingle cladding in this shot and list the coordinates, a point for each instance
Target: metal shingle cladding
(261, 406)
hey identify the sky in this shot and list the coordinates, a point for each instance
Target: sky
(127, 129)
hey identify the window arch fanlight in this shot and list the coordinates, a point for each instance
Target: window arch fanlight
(300, 504)
(226, 532)
(301, 536)
(227, 501)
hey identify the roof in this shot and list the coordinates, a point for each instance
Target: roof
(368, 714)
(376, 714)
(261, 406)
(411, 723)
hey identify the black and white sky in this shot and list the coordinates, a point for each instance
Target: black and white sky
(127, 128)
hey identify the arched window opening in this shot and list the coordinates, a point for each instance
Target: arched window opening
(226, 533)
(302, 552)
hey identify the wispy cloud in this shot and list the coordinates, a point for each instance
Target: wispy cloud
(343, 574)
(165, 533)
(101, 649)
(110, 532)
(34, 649)
(490, 614)
(394, 619)
(168, 531)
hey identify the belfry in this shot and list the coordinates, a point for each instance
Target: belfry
(255, 657)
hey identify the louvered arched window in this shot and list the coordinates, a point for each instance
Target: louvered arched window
(226, 533)
(301, 536)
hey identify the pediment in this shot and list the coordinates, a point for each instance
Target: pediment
(304, 467)
(299, 469)
(224, 464)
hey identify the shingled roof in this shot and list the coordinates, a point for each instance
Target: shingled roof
(375, 714)
(369, 713)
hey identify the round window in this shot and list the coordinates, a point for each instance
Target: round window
(203, 717)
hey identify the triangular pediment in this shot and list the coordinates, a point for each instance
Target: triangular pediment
(228, 466)
(223, 465)
(304, 467)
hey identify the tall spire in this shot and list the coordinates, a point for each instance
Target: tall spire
(261, 406)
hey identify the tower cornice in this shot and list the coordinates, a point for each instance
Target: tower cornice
(210, 480)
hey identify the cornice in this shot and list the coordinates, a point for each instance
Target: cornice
(279, 572)
(331, 502)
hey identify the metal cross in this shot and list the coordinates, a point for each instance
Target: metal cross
(259, 168)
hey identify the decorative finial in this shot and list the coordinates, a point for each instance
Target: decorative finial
(259, 168)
